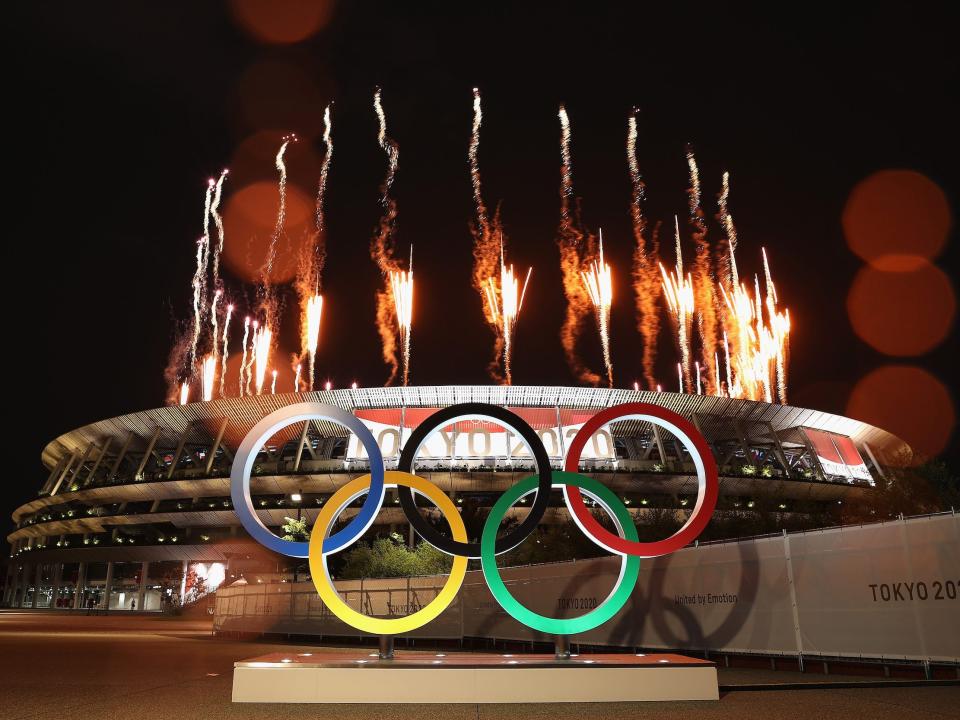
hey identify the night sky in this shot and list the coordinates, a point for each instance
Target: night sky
(122, 112)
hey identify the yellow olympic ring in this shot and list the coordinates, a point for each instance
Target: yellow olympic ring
(321, 575)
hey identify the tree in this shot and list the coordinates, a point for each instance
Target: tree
(295, 530)
(388, 557)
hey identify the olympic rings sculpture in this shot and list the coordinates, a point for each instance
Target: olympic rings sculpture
(574, 486)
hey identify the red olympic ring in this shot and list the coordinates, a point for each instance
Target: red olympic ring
(707, 476)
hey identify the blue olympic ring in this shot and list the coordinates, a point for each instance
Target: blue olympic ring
(253, 443)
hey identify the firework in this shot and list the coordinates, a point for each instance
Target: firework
(209, 375)
(401, 284)
(199, 282)
(731, 232)
(184, 393)
(226, 350)
(214, 329)
(577, 248)
(383, 249)
(703, 282)
(310, 275)
(759, 331)
(262, 338)
(218, 222)
(273, 383)
(488, 260)
(646, 279)
(599, 283)
(296, 379)
(244, 384)
(678, 290)
(314, 311)
(504, 302)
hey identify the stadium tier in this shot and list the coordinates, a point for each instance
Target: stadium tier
(151, 490)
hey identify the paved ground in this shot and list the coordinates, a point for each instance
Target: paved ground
(150, 667)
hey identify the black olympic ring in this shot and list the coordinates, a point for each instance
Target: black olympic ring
(508, 419)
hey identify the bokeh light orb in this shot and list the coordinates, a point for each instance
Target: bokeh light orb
(249, 222)
(282, 23)
(907, 401)
(896, 212)
(901, 307)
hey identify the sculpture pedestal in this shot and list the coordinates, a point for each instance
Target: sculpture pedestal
(328, 677)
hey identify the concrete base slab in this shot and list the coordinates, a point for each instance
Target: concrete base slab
(471, 678)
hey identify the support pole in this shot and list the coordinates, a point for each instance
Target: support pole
(96, 463)
(38, 578)
(386, 647)
(81, 584)
(215, 446)
(107, 587)
(147, 453)
(561, 647)
(142, 590)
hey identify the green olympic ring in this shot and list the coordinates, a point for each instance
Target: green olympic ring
(629, 564)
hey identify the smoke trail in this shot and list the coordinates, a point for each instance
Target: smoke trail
(703, 280)
(312, 259)
(646, 279)
(226, 350)
(577, 248)
(383, 247)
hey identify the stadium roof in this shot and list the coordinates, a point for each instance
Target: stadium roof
(202, 421)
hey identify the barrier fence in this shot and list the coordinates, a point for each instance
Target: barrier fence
(887, 591)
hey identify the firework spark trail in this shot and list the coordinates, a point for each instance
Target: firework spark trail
(226, 350)
(401, 284)
(214, 320)
(184, 393)
(482, 221)
(262, 338)
(495, 280)
(198, 283)
(310, 274)
(486, 248)
(218, 222)
(646, 279)
(273, 383)
(577, 249)
(313, 314)
(504, 302)
(383, 248)
(756, 369)
(324, 169)
(296, 378)
(599, 283)
(731, 233)
(703, 281)
(678, 291)
(209, 375)
(269, 305)
(243, 359)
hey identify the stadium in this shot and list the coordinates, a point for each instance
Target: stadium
(135, 511)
